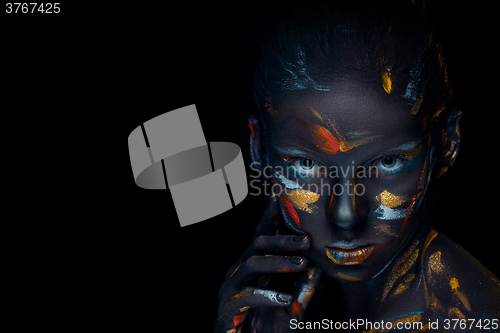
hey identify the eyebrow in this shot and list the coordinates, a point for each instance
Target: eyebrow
(407, 146)
(289, 151)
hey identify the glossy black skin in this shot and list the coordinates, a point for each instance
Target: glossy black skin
(357, 107)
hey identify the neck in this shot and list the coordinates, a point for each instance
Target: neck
(367, 299)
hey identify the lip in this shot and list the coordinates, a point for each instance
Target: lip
(343, 253)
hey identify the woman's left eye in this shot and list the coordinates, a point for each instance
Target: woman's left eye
(389, 164)
(307, 166)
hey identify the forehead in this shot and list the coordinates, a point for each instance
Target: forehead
(350, 110)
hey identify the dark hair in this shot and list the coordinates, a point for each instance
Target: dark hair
(315, 43)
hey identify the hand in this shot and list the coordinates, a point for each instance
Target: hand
(244, 304)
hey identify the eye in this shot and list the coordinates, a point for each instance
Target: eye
(307, 166)
(389, 164)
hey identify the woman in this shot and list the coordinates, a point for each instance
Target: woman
(354, 122)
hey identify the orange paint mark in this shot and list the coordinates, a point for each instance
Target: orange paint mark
(283, 270)
(290, 210)
(296, 308)
(237, 294)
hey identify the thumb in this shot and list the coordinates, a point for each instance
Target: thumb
(304, 290)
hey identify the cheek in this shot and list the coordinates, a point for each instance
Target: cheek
(296, 202)
(398, 201)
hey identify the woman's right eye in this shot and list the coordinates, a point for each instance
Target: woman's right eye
(307, 166)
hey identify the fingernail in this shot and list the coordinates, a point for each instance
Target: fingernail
(296, 260)
(298, 239)
(284, 298)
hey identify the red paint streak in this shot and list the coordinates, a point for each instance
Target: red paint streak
(296, 308)
(290, 210)
(408, 212)
(252, 132)
(330, 204)
(238, 319)
(326, 141)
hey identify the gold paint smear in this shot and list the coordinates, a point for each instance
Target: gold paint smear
(409, 277)
(404, 285)
(455, 312)
(237, 295)
(331, 257)
(347, 277)
(361, 142)
(316, 114)
(412, 155)
(435, 264)
(402, 266)
(390, 200)
(434, 301)
(304, 200)
(356, 139)
(463, 299)
(443, 171)
(416, 107)
(430, 236)
(437, 113)
(305, 295)
(235, 270)
(387, 80)
(454, 284)
(386, 229)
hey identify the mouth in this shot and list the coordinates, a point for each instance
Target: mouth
(342, 253)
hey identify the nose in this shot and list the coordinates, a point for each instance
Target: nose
(342, 209)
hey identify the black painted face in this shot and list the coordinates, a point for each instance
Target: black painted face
(350, 166)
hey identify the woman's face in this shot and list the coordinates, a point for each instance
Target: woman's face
(350, 167)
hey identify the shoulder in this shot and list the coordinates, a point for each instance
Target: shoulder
(458, 286)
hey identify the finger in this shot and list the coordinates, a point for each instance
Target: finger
(304, 290)
(229, 314)
(270, 219)
(258, 265)
(264, 245)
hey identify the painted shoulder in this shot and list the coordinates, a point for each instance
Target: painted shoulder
(458, 285)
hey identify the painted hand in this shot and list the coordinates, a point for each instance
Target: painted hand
(244, 303)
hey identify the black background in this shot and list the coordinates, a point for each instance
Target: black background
(80, 81)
